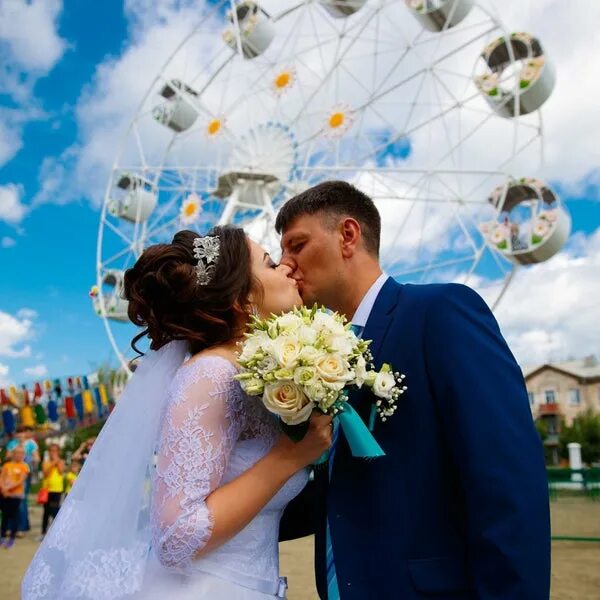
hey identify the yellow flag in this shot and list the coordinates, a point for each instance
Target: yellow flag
(88, 402)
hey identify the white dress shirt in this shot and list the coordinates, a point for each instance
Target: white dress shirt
(361, 316)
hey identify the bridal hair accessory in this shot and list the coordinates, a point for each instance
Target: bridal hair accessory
(206, 252)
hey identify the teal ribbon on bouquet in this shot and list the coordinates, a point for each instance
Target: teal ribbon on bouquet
(360, 439)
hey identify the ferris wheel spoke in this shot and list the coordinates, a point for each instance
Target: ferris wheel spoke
(461, 217)
(329, 72)
(117, 232)
(116, 257)
(425, 210)
(441, 265)
(403, 133)
(503, 165)
(156, 234)
(433, 64)
(455, 160)
(164, 211)
(438, 116)
(454, 32)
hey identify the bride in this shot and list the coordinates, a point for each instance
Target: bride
(183, 490)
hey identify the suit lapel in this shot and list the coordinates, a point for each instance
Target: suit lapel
(376, 329)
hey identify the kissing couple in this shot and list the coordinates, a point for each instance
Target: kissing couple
(191, 483)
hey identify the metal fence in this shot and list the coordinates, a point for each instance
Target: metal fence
(575, 499)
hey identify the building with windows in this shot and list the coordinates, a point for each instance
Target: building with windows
(564, 389)
(558, 392)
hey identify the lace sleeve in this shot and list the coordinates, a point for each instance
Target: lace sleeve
(201, 426)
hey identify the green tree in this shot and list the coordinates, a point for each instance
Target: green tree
(585, 430)
(542, 429)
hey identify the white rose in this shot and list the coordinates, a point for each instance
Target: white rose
(343, 344)
(286, 349)
(267, 364)
(334, 371)
(288, 401)
(289, 322)
(252, 345)
(327, 323)
(307, 335)
(383, 384)
(284, 374)
(310, 355)
(316, 392)
(305, 376)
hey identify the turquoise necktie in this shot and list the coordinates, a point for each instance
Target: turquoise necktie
(333, 592)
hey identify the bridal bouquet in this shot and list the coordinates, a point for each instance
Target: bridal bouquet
(308, 359)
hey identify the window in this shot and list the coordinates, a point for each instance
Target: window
(550, 396)
(574, 399)
(532, 398)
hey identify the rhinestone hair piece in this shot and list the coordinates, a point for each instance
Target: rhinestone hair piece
(206, 252)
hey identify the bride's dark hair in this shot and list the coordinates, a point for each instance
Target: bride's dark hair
(167, 301)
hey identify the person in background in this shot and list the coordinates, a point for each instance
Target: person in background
(84, 449)
(12, 487)
(32, 458)
(53, 470)
(71, 475)
(15, 439)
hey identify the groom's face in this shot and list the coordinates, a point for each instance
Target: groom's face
(311, 248)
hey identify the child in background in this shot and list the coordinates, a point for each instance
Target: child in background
(54, 472)
(71, 476)
(12, 487)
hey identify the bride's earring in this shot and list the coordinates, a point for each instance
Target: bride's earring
(254, 310)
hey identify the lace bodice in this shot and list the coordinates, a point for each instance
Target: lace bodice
(137, 513)
(211, 433)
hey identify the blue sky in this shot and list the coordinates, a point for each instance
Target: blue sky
(48, 230)
(50, 267)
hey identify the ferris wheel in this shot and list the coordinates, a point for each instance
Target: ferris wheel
(429, 106)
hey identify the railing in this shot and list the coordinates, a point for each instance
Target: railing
(575, 486)
(585, 480)
(552, 408)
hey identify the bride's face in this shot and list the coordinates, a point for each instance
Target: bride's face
(280, 292)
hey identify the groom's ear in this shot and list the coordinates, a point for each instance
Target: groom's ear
(350, 236)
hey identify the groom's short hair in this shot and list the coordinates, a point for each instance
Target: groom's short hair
(335, 199)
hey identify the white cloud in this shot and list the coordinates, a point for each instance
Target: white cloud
(551, 310)
(5, 379)
(15, 331)
(28, 30)
(11, 209)
(12, 121)
(36, 371)
(8, 242)
(29, 48)
(27, 313)
(10, 141)
(109, 102)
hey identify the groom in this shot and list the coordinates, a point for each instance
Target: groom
(458, 506)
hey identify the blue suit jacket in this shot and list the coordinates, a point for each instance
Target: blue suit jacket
(458, 507)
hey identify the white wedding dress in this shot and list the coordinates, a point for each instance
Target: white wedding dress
(210, 433)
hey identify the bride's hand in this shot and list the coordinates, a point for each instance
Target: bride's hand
(316, 441)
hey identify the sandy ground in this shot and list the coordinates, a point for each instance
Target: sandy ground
(575, 565)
